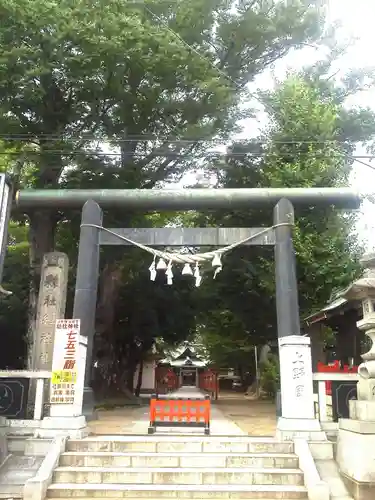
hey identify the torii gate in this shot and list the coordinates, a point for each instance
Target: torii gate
(294, 349)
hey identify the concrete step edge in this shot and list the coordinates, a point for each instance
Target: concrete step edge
(11, 488)
(272, 488)
(17, 437)
(178, 470)
(11, 491)
(208, 454)
(178, 439)
(40, 440)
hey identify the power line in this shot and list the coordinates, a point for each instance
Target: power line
(225, 75)
(146, 138)
(358, 159)
(205, 155)
(192, 141)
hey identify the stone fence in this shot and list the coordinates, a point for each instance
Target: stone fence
(323, 401)
(41, 377)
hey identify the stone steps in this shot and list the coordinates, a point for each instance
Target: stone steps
(28, 445)
(14, 473)
(177, 475)
(180, 444)
(17, 444)
(169, 466)
(197, 492)
(174, 459)
(13, 491)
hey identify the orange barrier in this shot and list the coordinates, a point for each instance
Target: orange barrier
(179, 412)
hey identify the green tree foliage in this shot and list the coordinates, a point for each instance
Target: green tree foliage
(270, 377)
(305, 145)
(13, 309)
(325, 241)
(222, 336)
(151, 80)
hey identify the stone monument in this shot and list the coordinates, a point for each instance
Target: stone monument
(356, 436)
(297, 396)
(51, 306)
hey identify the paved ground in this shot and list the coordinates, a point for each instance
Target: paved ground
(187, 392)
(253, 417)
(117, 421)
(232, 414)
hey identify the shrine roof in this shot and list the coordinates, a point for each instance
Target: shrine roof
(337, 306)
(185, 355)
(348, 299)
(179, 363)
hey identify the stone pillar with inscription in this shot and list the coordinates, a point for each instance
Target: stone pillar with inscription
(297, 412)
(51, 306)
(356, 436)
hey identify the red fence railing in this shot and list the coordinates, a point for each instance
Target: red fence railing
(179, 412)
(335, 367)
(166, 380)
(209, 382)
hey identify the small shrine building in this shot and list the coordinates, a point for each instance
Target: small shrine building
(341, 315)
(186, 364)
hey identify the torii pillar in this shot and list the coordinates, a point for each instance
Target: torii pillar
(297, 398)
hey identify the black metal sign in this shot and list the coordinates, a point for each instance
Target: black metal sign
(342, 393)
(13, 397)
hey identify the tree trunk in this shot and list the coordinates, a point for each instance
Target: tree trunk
(42, 240)
(241, 375)
(140, 377)
(110, 282)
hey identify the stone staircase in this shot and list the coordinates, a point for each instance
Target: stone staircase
(25, 455)
(176, 466)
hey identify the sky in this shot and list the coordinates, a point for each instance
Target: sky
(356, 18)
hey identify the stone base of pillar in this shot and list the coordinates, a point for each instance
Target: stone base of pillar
(362, 410)
(73, 427)
(88, 405)
(356, 456)
(288, 429)
(358, 490)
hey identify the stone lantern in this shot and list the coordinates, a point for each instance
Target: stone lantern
(364, 290)
(356, 435)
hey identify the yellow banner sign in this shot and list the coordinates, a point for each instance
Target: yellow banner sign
(64, 377)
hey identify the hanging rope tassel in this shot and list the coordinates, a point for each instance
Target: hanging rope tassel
(161, 265)
(169, 273)
(187, 270)
(152, 269)
(217, 264)
(197, 275)
(187, 260)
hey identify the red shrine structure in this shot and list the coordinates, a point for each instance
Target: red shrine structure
(185, 368)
